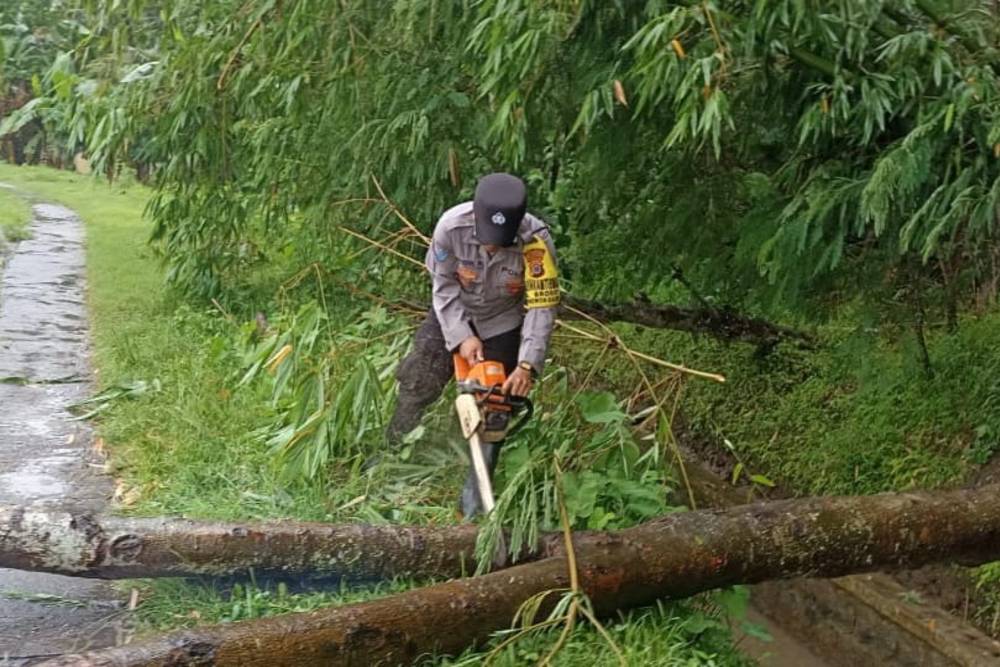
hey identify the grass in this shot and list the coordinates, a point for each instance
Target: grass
(15, 216)
(692, 633)
(173, 604)
(666, 634)
(186, 448)
(857, 417)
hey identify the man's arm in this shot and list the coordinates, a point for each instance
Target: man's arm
(446, 290)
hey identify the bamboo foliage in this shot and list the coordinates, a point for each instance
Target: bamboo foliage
(771, 149)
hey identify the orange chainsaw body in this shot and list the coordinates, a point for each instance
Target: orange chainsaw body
(485, 378)
(484, 382)
(486, 373)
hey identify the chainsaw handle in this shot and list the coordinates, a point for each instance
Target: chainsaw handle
(521, 403)
(462, 367)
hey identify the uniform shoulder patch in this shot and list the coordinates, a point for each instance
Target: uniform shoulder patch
(541, 278)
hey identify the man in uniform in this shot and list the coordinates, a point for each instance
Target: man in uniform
(495, 292)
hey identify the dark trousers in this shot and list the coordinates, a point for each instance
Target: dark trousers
(425, 371)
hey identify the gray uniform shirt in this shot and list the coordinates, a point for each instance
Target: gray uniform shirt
(488, 292)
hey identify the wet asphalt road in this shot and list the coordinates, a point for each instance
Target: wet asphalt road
(45, 458)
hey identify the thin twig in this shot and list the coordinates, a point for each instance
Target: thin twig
(574, 578)
(380, 245)
(645, 357)
(399, 214)
(392, 305)
(225, 313)
(605, 634)
(676, 448)
(625, 348)
(719, 44)
(590, 373)
(491, 656)
(569, 336)
(389, 241)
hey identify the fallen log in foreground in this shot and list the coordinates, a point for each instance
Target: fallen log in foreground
(675, 556)
(110, 547)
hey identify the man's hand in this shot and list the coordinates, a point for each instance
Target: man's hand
(471, 350)
(518, 384)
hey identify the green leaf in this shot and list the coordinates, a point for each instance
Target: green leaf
(762, 480)
(415, 435)
(580, 492)
(698, 623)
(735, 601)
(459, 100)
(600, 408)
(756, 631)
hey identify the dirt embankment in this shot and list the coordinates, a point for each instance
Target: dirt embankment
(906, 618)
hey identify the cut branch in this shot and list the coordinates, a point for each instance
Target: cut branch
(675, 556)
(723, 324)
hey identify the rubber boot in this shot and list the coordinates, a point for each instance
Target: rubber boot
(470, 503)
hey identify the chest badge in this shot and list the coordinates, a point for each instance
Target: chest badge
(466, 276)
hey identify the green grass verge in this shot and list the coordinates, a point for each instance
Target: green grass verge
(183, 446)
(861, 416)
(15, 215)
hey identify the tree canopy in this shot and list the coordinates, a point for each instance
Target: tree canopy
(781, 154)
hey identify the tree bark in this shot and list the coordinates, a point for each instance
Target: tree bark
(675, 556)
(723, 324)
(108, 547)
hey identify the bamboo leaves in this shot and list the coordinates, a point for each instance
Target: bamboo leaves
(330, 391)
(875, 123)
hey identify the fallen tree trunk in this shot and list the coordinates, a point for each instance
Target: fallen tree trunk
(675, 556)
(720, 323)
(109, 547)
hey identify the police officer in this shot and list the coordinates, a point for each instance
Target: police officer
(495, 291)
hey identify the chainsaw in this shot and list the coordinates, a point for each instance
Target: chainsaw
(486, 415)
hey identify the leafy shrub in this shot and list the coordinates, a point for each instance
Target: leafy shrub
(606, 479)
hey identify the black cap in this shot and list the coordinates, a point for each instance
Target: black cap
(499, 206)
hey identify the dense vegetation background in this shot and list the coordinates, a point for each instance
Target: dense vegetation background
(834, 166)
